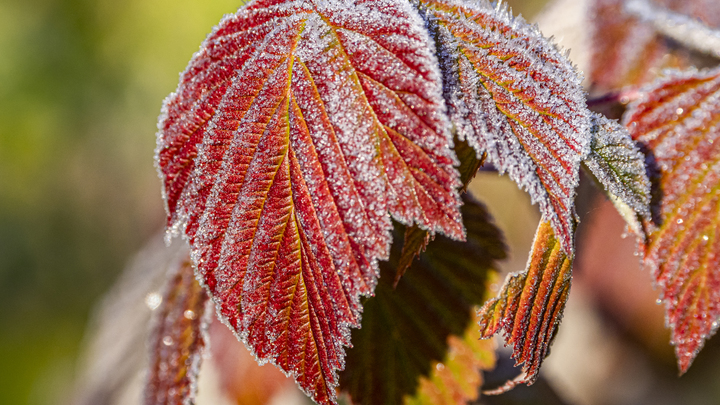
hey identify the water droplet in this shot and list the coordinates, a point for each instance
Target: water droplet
(189, 314)
(440, 367)
(680, 221)
(705, 237)
(658, 301)
(153, 300)
(679, 111)
(168, 341)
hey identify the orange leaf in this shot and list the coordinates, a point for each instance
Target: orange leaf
(178, 340)
(529, 307)
(678, 122)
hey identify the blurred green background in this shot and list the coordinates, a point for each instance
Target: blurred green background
(81, 85)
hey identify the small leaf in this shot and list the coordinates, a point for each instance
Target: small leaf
(457, 379)
(407, 330)
(529, 307)
(677, 120)
(619, 166)
(513, 95)
(178, 340)
(294, 132)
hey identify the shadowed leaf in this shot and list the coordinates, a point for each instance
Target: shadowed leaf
(178, 340)
(407, 330)
(458, 378)
(529, 307)
(677, 120)
(619, 166)
(513, 95)
(294, 131)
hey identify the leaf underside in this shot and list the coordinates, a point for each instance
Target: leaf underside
(513, 95)
(619, 166)
(178, 340)
(677, 120)
(529, 307)
(294, 132)
(627, 51)
(408, 329)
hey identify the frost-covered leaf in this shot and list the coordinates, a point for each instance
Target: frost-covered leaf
(406, 330)
(178, 340)
(416, 239)
(458, 378)
(529, 307)
(513, 95)
(628, 50)
(619, 166)
(296, 128)
(678, 122)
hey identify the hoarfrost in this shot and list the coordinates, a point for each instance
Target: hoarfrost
(619, 165)
(513, 95)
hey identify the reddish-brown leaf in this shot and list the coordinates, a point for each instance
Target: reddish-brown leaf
(295, 130)
(513, 95)
(529, 307)
(678, 122)
(178, 340)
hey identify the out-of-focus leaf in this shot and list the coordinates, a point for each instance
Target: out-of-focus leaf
(513, 95)
(457, 379)
(294, 131)
(628, 51)
(178, 340)
(619, 166)
(677, 120)
(407, 330)
(529, 307)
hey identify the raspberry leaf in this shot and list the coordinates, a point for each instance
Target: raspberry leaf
(513, 95)
(294, 132)
(529, 307)
(677, 120)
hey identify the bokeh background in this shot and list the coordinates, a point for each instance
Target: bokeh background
(81, 85)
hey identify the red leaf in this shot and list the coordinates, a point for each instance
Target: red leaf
(513, 95)
(529, 307)
(678, 121)
(178, 340)
(294, 131)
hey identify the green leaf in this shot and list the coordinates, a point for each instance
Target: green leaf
(619, 166)
(406, 331)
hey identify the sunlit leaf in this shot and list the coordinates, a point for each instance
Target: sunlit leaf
(416, 239)
(457, 379)
(619, 166)
(678, 122)
(178, 340)
(408, 329)
(295, 130)
(513, 95)
(529, 307)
